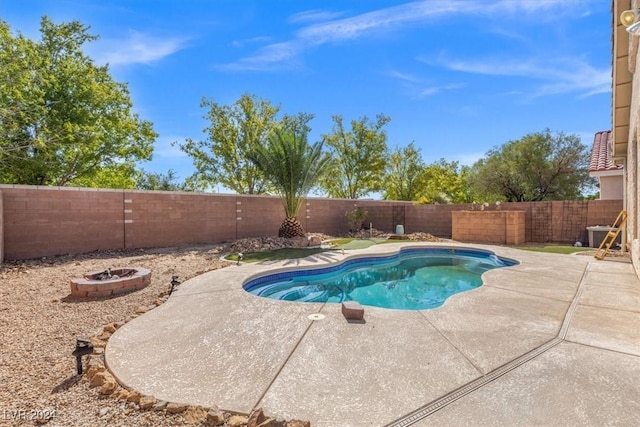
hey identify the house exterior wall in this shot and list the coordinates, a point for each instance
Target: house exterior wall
(45, 221)
(611, 187)
(632, 166)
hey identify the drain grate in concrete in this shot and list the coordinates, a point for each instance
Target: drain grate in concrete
(445, 400)
(438, 404)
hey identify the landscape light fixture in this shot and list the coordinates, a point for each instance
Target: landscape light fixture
(174, 283)
(83, 347)
(629, 18)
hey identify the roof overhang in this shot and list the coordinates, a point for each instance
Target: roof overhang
(613, 172)
(622, 69)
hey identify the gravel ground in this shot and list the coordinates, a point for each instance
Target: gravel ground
(39, 323)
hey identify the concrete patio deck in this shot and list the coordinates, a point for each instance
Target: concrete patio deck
(554, 340)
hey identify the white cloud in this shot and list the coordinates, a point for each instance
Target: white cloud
(419, 86)
(270, 57)
(389, 19)
(433, 90)
(561, 75)
(405, 77)
(314, 15)
(259, 39)
(384, 19)
(540, 7)
(136, 48)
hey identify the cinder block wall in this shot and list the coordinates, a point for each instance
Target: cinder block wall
(514, 228)
(44, 221)
(504, 227)
(1, 230)
(433, 219)
(40, 222)
(481, 227)
(173, 219)
(256, 216)
(564, 221)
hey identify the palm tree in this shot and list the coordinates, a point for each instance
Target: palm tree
(293, 167)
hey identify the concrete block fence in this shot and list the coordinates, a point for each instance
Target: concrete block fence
(44, 221)
(504, 227)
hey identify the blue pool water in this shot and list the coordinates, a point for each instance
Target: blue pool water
(413, 279)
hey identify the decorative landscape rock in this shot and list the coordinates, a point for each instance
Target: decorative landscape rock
(123, 394)
(110, 328)
(215, 417)
(315, 241)
(195, 415)
(93, 367)
(256, 417)
(141, 310)
(160, 405)
(259, 244)
(109, 386)
(147, 402)
(300, 242)
(100, 378)
(176, 408)
(237, 421)
(271, 422)
(134, 397)
(97, 342)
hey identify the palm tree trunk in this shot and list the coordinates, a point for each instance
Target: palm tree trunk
(290, 228)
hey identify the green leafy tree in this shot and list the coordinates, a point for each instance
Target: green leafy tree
(234, 131)
(539, 166)
(292, 166)
(359, 157)
(355, 218)
(160, 181)
(122, 175)
(405, 174)
(446, 182)
(64, 120)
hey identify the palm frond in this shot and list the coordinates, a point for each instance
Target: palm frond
(292, 165)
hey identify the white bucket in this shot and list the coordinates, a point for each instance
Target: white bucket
(399, 229)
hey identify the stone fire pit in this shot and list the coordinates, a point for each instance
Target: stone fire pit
(105, 283)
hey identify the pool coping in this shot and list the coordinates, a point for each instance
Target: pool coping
(547, 311)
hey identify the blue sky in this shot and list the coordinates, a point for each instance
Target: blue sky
(456, 77)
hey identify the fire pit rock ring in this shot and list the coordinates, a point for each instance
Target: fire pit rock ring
(110, 282)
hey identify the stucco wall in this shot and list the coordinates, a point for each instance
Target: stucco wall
(611, 187)
(632, 166)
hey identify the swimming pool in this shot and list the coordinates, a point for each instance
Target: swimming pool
(412, 279)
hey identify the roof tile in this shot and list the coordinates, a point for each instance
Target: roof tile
(601, 153)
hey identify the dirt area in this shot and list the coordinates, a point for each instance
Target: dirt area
(40, 322)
